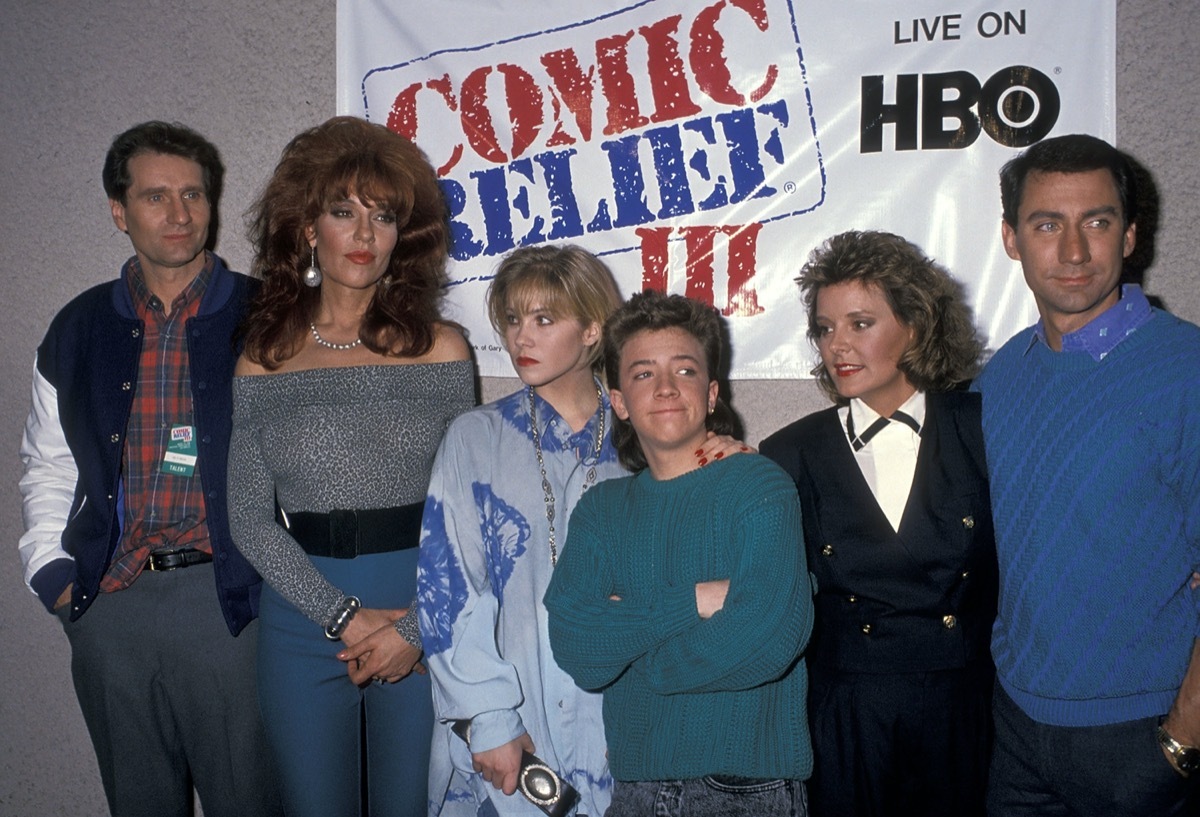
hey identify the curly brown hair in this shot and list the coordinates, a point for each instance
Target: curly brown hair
(342, 157)
(946, 348)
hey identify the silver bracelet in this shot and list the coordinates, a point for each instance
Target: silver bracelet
(346, 610)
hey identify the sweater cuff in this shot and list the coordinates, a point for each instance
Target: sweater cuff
(673, 611)
(332, 606)
(409, 627)
(495, 728)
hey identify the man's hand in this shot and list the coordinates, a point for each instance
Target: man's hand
(1170, 757)
(1183, 720)
(710, 597)
(65, 598)
(500, 766)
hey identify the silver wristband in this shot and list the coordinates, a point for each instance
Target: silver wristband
(349, 606)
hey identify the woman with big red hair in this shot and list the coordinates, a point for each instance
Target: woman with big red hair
(347, 382)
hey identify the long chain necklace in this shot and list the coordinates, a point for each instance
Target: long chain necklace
(339, 347)
(547, 490)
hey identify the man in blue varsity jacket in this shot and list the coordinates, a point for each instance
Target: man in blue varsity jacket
(1091, 424)
(126, 538)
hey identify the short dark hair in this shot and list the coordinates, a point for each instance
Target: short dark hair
(170, 138)
(923, 296)
(1073, 153)
(652, 311)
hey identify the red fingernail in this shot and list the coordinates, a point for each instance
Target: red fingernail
(745, 448)
(704, 461)
(719, 455)
(699, 451)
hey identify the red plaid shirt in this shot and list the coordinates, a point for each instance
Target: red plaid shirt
(162, 511)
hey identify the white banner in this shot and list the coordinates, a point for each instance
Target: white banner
(707, 147)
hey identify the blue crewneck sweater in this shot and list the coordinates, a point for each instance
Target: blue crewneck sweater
(1095, 481)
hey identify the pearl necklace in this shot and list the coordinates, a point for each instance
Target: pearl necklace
(547, 490)
(339, 347)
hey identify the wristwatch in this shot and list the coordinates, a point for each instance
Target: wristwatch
(1185, 758)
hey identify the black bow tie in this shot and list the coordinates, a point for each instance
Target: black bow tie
(860, 440)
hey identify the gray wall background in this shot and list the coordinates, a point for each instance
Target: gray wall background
(249, 75)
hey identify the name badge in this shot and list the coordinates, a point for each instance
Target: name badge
(181, 454)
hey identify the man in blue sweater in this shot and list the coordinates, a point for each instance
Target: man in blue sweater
(126, 538)
(1092, 428)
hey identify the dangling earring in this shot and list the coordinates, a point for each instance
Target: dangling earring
(312, 275)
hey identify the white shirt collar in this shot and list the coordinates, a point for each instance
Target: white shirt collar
(864, 415)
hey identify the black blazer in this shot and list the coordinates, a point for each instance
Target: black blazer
(922, 598)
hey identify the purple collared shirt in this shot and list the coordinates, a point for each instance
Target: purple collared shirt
(1102, 334)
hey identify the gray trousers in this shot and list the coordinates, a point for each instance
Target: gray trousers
(170, 700)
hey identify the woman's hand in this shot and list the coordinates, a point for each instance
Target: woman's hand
(502, 765)
(718, 447)
(375, 650)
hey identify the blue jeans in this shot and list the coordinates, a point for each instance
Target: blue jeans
(711, 796)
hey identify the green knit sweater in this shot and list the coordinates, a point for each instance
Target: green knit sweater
(686, 697)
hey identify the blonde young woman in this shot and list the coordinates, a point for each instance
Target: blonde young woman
(506, 480)
(347, 383)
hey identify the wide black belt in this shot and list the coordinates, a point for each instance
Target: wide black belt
(161, 560)
(346, 533)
